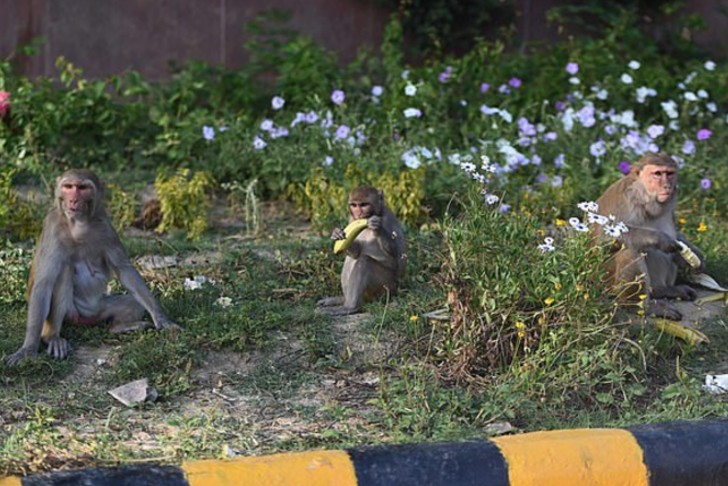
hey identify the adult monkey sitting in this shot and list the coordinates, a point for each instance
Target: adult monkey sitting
(77, 251)
(647, 260)
(375, 260)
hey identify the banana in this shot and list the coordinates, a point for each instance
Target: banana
(688, 334)
(351, 231)
(689, 255)
(712, 298)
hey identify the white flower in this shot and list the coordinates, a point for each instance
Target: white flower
(622, 227)
(712, 107)
(266, 125)
(690, 96)
(405, 74)
(626, 78)
(634, 65)
(410, 89)
(670, 108)
(491, 199)
(277, 102)
(574, 221)
(411, 160)
(412, 113)
(197, 282)
(588, 206)
(709, 65)
(703, 94)
(328, 161)
(612, 231)
(259, 143)
(597, 218)
(574, 80)
(224, 302)
(468, 166)
(602, 94)
(546, 247)
(377, 90)
(506, 116)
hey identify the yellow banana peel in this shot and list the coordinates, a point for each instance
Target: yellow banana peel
(688, 334)
(712, 298)
(351, 231)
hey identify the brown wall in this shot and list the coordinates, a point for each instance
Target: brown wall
(110, 36)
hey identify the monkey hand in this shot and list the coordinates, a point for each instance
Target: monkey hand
(374, 223)
(19, 356)
(667, 244)
(338, 234)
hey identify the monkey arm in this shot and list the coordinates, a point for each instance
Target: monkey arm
(137, 287)
(641, 238)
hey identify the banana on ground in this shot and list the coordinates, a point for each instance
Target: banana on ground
(351, 231)
(688, 334)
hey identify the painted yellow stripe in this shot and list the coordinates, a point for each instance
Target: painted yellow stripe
(598, 457)
(11, 481)
(320, 468)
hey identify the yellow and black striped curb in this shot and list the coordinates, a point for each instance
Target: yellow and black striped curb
(670, 454)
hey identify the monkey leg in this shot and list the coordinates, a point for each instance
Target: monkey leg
(663, 270)
(124, 312)
(61, 303)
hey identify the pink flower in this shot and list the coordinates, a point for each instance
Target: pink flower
(704, 134)
(4, 103)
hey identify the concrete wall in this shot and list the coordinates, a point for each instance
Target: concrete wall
(109, 36)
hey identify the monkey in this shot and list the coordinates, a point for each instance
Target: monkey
(77, 252)
(376, 259)
(645, 259)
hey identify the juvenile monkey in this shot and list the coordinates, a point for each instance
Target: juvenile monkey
(77, 252)
(648, 255)
(376, 259)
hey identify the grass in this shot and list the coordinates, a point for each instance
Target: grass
(268, 374)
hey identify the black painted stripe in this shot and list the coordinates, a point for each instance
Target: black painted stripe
(141, 475)
(443, 464)
(685, 453)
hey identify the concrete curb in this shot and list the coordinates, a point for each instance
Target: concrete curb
(669, 454)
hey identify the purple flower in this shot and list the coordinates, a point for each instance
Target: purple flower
(342, 132)
(655, 131)
(259, 143)
(377, 90)
(338, 96)
(503, 89)
(484, 87)
(624, 167)
(266, 125)
(705, 184)
(514, 83)
(572, 68)
(597, 149)
(704, 134)
(311, 117)
(445, 75)
(277, 102)
(504, 208)
(559, 161)
(208, 133)
(560, 106)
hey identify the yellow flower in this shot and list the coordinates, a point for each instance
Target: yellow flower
(521, 334)
(702, 227)
(549, 301)
(643, 296)
(682, 220)
(557, 285)
(414, 318)
(560, 222)
(520, 325)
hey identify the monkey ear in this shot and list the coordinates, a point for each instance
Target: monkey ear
(634, 169)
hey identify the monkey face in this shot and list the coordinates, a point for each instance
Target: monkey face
(76, 196)
(361, 209)
(659, 181)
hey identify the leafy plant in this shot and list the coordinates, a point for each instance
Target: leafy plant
(184, 201)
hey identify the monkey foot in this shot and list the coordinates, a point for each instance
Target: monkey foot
(124, 327)
(338, 311)
(662, 308)
(19, 356)
(58, 348)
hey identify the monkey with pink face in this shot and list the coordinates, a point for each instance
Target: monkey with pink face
(375, 261)
(76, 255)
(646, 258)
